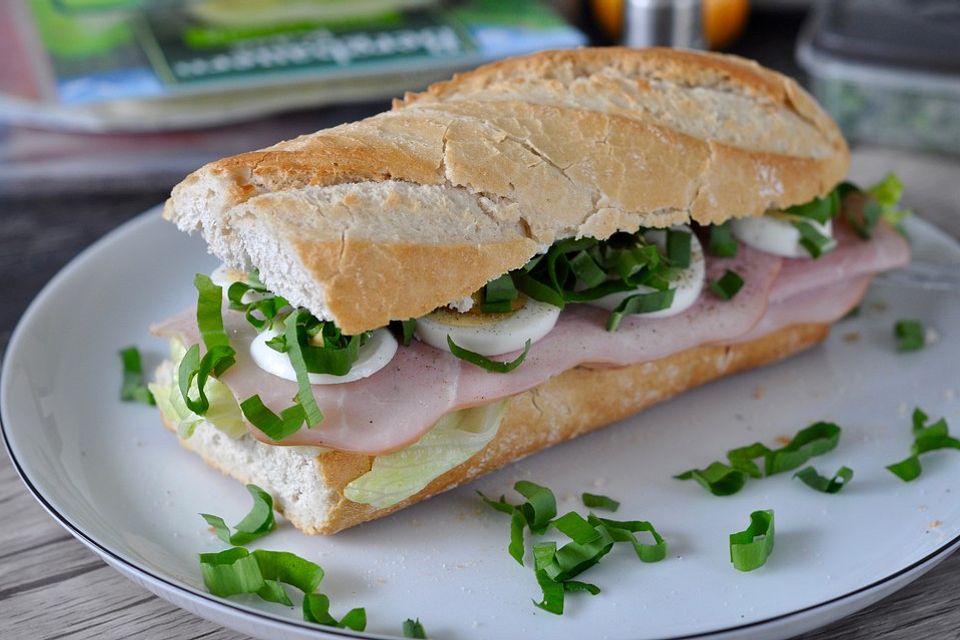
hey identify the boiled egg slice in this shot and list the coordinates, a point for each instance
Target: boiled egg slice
(686, 287)
(488, 334)
(776, 235)
(374, 355)
(224, 276)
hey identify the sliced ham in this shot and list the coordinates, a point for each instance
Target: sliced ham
(824, 305)
(853, 257)
(394, 407)
(581, 338)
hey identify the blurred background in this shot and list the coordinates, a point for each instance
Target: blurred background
(106, 104)
(102, 96)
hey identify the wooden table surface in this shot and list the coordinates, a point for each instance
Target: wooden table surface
(51, 586)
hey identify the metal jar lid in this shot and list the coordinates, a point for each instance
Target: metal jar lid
(663, 23)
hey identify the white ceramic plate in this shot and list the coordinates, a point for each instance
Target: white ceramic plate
(120, 483)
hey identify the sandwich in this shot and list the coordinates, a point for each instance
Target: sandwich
(509, 259)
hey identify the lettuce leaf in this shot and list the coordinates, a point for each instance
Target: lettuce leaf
(454, 439)
(224, 412)
(887, 193)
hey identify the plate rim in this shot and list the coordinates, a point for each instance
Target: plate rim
(106, 552)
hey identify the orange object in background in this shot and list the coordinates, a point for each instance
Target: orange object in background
(609, 16)
(723, 20)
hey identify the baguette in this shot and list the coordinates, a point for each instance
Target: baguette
(308, 488)
(479, 173)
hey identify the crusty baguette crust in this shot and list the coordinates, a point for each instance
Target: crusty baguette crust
(395, 215)
(571, 404)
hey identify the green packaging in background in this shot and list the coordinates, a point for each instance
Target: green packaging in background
(103, 50)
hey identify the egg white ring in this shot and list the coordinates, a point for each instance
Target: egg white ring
(374, 355)
(499, 333)
(774, 235)
(686, 288)
(222, 277)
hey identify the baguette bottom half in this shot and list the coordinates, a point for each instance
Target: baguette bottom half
(308, 487)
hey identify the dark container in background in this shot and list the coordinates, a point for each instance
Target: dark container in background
(888, 70)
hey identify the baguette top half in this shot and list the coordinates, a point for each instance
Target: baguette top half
(392, 216)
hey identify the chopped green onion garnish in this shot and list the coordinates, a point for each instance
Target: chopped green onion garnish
(812, 240)
(324, 348)
(413, 629)
(268, 308)
(815, 440)
(496, 307)
(718, 478)
(819, 209)
(316, 609)
(575, 585)
(910, 335)
(587, 270)
(678, 248)
(728, 285)
(820, 483)
(215, 361)
(625, 530)
(878, 202)
(537, 512)
(273, 591)
(601, 290)
(133, 388)
(210, 312)
(543, 554)
(517, 546)
(407, 328)
(887, 194)
(631, 262)
(231, 572)
(576, 527)
(540, 506)
(257, 523)
(925, 438)
(403, 330)
(289, 568)
(907, 469)
(574, 558)
(639, 303)
(236, 571)
(293, 331)
(920, 428)
(267, 305)
(722, 479)
(537, 290)
(219, 357)
(742, 458)
(498, 295)
(888, 191)
(722, 243)
(276, 427)
(864, 221)
(493, 366)
(591, 539)
(750, 548)
(594, 501)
